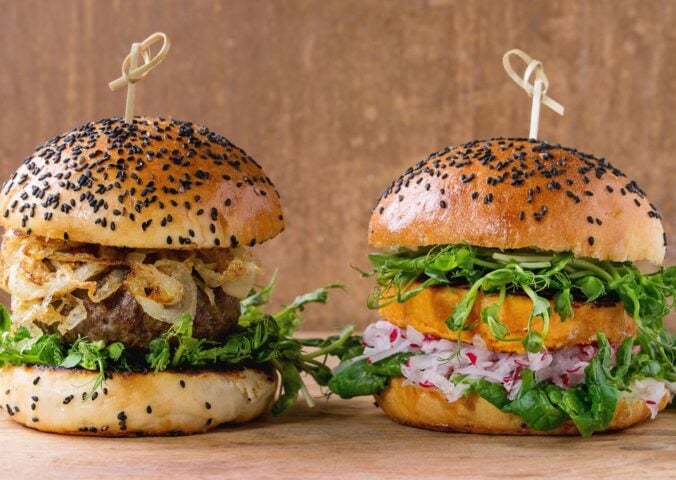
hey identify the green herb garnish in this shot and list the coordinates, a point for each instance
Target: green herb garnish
(260, 339)
(646, 297)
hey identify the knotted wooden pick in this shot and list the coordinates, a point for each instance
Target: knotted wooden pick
(538, 90)
(132, 73)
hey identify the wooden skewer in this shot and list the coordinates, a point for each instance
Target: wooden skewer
(132, 73)
(538, 90)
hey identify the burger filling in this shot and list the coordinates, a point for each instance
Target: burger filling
(453, 368)
(126, 295)
(78, 305)
(545, 386)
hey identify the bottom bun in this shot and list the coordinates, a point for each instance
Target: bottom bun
(61, 400)
(428, 408)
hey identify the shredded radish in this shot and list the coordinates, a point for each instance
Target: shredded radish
(650, 391)
(438, 362)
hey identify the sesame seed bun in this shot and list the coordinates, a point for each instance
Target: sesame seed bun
(428, 311)
(134, 404)
(158, 183)
(519, 193)
(426, 407)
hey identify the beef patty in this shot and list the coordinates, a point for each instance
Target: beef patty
(119, 318)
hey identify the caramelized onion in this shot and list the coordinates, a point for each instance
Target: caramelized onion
(169, 293)
(42, 275)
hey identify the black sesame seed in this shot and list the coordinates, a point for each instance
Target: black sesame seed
(467, 178)
(149, 409)
(68, 399)
(575, 198)
(442, 204)
(36, 380)
(182, 383)
(590, 219)
(207, 405)
(590, 240)
(34, 398)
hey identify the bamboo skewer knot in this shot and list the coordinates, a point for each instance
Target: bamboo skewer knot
(132, 73)
(537, 90)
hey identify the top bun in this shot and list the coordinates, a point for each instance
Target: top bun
(156, 183)
(519, 193)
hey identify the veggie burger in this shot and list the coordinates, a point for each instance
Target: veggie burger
(510, 295)
(127, 257)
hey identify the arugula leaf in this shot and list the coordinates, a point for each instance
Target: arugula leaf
(292, 383)
(351, 347)
(495, 393)
(388, 367)
(289, 318)
(259, 339)
(592, 405)
(534, 405)
(355, 380)
(362, 378)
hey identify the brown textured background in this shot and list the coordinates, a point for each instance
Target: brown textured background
(336, 97)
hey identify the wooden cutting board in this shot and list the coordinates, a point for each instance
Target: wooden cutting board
(340, 439)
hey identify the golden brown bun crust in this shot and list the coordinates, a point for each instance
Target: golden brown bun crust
(159, 183)
(428, 408)
(134, 404)
(515, 193)
(427, 312)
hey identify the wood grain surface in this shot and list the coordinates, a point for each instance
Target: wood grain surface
(341, 439)
(336, 97)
